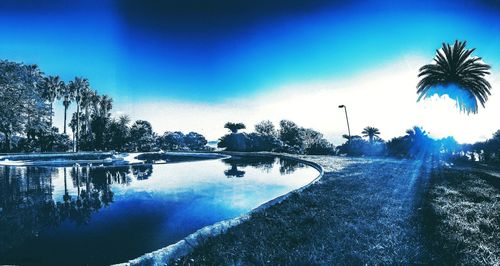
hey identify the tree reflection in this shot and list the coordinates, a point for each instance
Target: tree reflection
(288, 166)
(234, 172)
(264, 163)
(27, 203)
(142, 172)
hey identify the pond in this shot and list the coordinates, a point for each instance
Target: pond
(99, 215)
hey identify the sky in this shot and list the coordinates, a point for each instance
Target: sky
(193, 65)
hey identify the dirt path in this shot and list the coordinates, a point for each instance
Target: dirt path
(363, 211)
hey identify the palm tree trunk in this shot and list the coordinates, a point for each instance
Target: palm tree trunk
(77, 125)
(65, 112)
(8, 142)
(51, 112)
(87, 120)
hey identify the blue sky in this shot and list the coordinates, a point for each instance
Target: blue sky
(211, 52)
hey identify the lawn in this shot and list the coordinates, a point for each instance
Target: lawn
(369, 211)
(361, 211)
(463, 217)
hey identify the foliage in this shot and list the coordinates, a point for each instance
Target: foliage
(266, 128)
(195, 141)
(142, 137)
(320, 147)
(454, 66)
(171, 141)
(234, 142)
(371, 133)
(290, 134)
(26, 111)
(290, 139)
(22, 107)
(234, 127)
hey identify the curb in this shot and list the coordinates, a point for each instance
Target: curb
(186, 245)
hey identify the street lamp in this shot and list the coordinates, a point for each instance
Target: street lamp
(347, 119)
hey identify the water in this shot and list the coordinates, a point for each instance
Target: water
(110, 214)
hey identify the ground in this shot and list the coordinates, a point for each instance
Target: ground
(369, 211)
(463, 216)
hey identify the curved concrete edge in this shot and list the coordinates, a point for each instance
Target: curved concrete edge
(186, 245)
(118, 159)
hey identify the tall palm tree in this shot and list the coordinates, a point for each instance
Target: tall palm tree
(51, 88)
(458, 74)
(86, 101)
(371, 133)
(124, 120)
(105, 106)
(67, 94)
(78, 84)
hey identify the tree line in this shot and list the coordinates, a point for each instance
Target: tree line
(414, 144)
(27, 99)
(288, 138)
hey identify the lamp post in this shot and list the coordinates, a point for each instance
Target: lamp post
(347, 119)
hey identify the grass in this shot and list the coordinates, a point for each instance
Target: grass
(362, 211)
(369, 211)
(463, 217)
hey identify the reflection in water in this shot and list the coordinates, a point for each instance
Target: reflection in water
(94, 208)
(27, 206)
(234, 172)
(286, 166)
(289, 166)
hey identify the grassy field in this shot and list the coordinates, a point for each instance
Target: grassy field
(369, 211)
(463, 217)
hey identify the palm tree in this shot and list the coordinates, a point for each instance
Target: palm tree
(371, 133)
(86, 102)
(78, 84)
(416, 134)
(51, 88)
(67, 94)
(124, 120)
(105, 106)
(459, 75)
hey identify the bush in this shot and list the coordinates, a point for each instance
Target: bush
(234, 142)
(320, 147)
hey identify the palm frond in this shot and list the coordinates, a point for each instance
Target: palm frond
(457, 74)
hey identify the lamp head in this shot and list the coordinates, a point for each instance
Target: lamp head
(341, 106)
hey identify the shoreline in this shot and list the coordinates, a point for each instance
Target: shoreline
(187, 244)
(108, 159)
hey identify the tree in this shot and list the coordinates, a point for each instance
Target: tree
(172, 140)
(420, 144)
(234, 127)
(371, 133)
(51, 88)
(87, 96)
(310, 136)
(290, 134)
(118, 133)
(101, 118)
(67, 94)
(459, 75)
(266, 128)
(142, 136)
(195, 141)
(78, 85)
(20, 99)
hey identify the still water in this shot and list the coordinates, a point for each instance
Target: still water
(104, 215)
